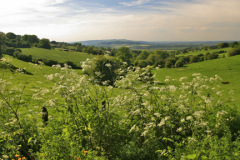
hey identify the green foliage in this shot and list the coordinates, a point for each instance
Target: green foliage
(2, 44)
(159, 63)
(144, 121)
(233, 52)
(142, 63)
(44, 43)
(102, 69)
(151, 59)
(161, 54)
(222, 45)
(194, 59)
(234, 44)
(168, 64)
(179, 63)
(143, 55)
(124, 55)
(10, 35)
(205, 48)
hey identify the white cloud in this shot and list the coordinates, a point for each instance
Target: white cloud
(175, 20)
(135, 3)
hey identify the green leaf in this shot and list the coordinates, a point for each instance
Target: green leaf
(191, 156)
(30, 139)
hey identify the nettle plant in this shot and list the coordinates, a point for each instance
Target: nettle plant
(135, 118)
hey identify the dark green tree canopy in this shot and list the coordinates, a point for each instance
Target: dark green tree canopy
(143, 55)
(161, 54)
(44, 43)
(222, 45)
(33, 39)
(10, 35)
(2, 40)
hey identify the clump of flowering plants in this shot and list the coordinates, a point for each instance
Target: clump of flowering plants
(17, 132)
(136, 117)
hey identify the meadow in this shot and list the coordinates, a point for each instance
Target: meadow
(56, 54)
(164, 120)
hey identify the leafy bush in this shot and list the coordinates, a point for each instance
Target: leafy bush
(194, 59)
(142, 63)
(168, 64)
(159, 63)
(102, 68)
(207, 56)
(233, 52)
(179, 63)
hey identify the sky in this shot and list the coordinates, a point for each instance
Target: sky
(147, 20)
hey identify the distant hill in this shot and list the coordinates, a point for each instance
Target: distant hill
(148, 45)
(111, 42)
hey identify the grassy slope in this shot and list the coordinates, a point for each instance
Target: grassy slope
(227, 68)
(53, 54)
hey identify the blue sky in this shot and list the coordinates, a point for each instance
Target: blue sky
(149, 20)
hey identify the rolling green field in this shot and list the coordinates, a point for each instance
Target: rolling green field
(60, 56)
(227, 68)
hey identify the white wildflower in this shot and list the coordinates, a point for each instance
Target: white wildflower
(108, 65)
(161, 123)
(5, 156)
(133, 127)
(144, 133)
(179, 129)
(192, 139)
(198, 114)
(222, 112)
(189, 118)
(157, 114)
(182, 120)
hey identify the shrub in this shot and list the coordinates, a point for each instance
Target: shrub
(194, 59)
(102, 68)
(179, 63)
(214, 55)
(207, 56)
(159, 63)
(233, 52)
(185, 59)
(142, 63)
(168, 64)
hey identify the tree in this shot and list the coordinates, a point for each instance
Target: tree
(2, 40)
(222, 45)
(124, 55)
(10, 35)
(234, 44)
(24, 38)
(161, 54)
(143, 55)
(44, 43)
(233, 52)
(205, 48)
(33, 39)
